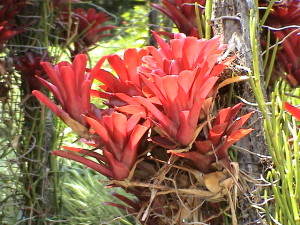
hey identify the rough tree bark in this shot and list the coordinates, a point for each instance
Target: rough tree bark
(231, 20)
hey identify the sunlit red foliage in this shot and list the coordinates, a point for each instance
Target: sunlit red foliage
(292, 110)
(121, 137)
(225, 131)
(185, 53)
(181, 76)
(170, 88)
(128, 81)
(182, 13)
(71, 84)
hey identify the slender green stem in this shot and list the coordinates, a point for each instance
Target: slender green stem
(208, 12)
(263, 20)
(198, 20)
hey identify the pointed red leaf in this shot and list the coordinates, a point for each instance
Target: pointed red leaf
(98, 127)
(186, 131)
(132, 110)
(216, 133)
(292, 110)
(119, 170)
(165, 122)
(89, 163)
(200, 161)
(165, 48)
(86, 152)
(238, 123)
(204, 146)
(170, 86)
(117, 64)
(130, 151)
(54, 108)
(230, 140)
(79, 67)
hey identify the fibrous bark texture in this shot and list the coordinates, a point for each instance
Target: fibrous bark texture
(231, 20)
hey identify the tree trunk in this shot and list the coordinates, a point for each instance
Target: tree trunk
(231, 20)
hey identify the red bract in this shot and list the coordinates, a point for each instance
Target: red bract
(181, 76)
(181, 97)
(182, 13)
(71, 87)
(292, 110)
(289, 54)
(121, 137)
(185, 53)
(127, 81)
(29, 65)
(224, 132)
(88, 26)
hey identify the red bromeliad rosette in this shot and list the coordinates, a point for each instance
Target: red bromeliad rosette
(173, 86)
(213, 146)
(71, 85)
(120, 136)
(160, 107)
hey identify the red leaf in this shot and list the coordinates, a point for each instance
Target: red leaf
(86, 152)
(222, 151)
(54, 108)
(200, 161)
(119, 170)
(293, 110)
(98, 127)
(126, 200)
(165, 122)
(89, 163)
(239, 123)
(204, 146)
(186, 131)
(216, 133)
(130, 151)
(79, 67)
(117, 64)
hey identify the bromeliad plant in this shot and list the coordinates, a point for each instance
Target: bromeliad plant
(84, 28)
(185, 14)
(158, 139)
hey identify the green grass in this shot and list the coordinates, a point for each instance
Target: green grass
(83, 195)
